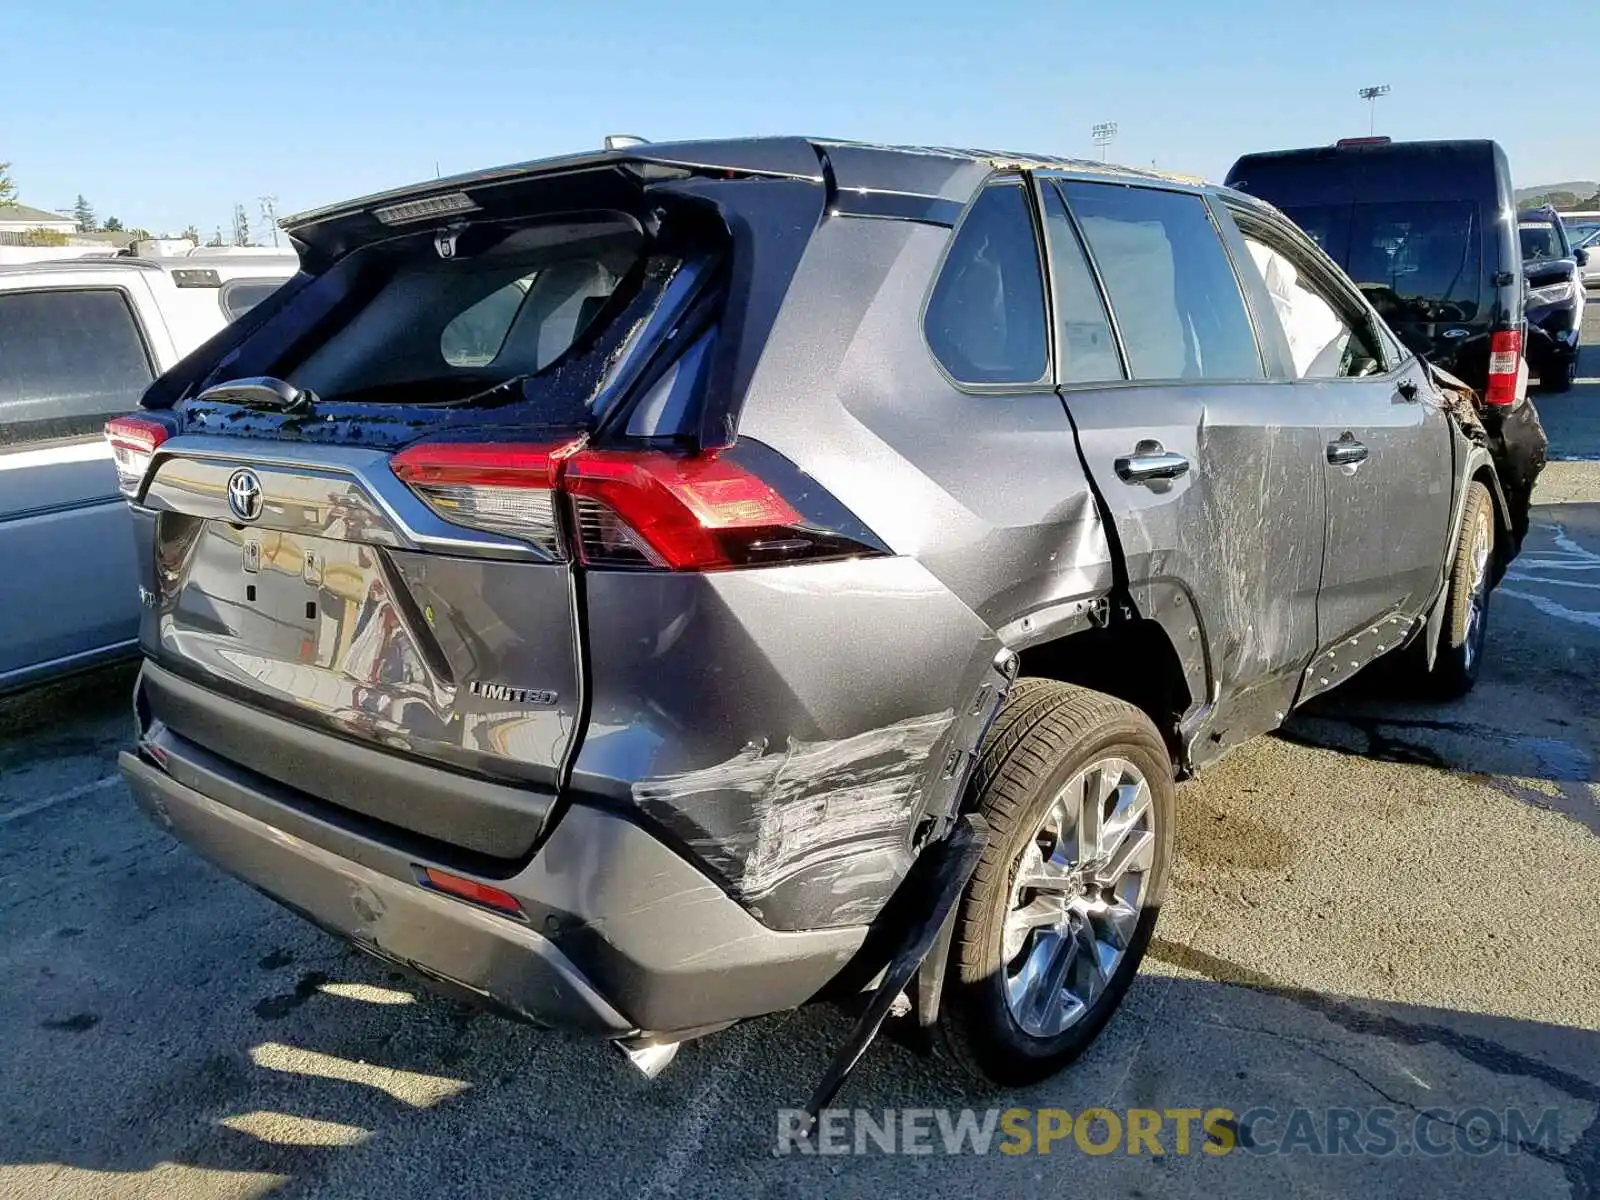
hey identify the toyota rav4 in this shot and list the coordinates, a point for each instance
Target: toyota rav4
(662, 586)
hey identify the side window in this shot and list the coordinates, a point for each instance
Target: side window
(1329, 336)
(239, 296)
(1169, 280)
(68, 360)
(474, 338)
(986, 317)
(1084, 345)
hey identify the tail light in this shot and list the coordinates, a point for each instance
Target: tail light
(639, 509)
(1505, 361)
(506, 488)
(134, 441)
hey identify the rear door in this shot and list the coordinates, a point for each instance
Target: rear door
(70, 357)
(1210, 469)
(1388, 458)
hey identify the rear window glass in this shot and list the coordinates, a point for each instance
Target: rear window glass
(1415, 260)
(449, 327)
(1541, 241)
(1170, 282)
(69, 358)
(239, 296)
(986, 316)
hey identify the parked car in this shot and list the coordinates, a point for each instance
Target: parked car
(1589, 243)
(652, 588)
(1555, 297)
(80, 339)
(1426, 229)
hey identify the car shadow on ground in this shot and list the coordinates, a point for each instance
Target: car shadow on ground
(1529, 728)
(339, 1086)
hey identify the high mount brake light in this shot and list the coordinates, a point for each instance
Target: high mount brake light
(640, 509)
(134, 441)
(1505, 356)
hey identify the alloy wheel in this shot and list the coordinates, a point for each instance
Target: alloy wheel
(1077, 894)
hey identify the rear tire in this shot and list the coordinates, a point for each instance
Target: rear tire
(1076, 786)
(1466, 612)
(1562, 382)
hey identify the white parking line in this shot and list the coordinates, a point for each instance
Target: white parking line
(77, 793)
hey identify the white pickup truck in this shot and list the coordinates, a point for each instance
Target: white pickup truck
(80, 340)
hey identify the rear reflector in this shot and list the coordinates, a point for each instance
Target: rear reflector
(134, 441)
(1505, 361)
(472, 890)
(640, 509)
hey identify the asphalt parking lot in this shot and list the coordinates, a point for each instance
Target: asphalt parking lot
(1386, 907)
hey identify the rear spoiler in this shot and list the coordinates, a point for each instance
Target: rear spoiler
(332, 231)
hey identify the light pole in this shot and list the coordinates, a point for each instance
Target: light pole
(1103, 134)
(1370, 95)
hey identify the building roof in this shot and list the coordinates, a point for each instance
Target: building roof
(21, 213)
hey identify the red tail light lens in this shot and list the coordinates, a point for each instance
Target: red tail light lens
(134, 441)
(1505, 361)
(642, 509)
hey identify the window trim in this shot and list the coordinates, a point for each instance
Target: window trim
(1054, 184)
(1312, 260)
(139, 331)
(1035, 217)
(231, 285)
(1204, 199)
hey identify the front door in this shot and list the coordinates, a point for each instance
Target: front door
(1387, 459)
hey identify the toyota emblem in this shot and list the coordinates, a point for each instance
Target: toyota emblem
(244, 494)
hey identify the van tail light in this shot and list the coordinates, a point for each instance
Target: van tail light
(134, 441)
(639, 509)
(1505, 361)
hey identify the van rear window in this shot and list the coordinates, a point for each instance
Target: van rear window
(1415, 260)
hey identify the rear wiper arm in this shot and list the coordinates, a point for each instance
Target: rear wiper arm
(262, 392)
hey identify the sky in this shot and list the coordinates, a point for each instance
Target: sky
(167, 112)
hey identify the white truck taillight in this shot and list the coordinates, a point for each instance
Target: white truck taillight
(134, 441)
(637, 509)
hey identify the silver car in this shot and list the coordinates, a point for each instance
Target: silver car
(658, 587)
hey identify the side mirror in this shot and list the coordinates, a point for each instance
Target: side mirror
(1582, 256)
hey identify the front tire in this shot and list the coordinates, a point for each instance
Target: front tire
(1466, 614)
(1077, 789)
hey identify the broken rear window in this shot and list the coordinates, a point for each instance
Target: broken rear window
(439, 329)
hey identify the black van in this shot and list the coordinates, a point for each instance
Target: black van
(1428, 230)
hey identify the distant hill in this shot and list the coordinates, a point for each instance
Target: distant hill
(1579, 187)
(1578, 193)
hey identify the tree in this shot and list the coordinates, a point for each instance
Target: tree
(192, 232)
(136, 234)
(218, 240)
(44, 237)
(83, 213)
(112, 225)
(8, 188)
(241, 226)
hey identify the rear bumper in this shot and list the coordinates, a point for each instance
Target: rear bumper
(621, 935)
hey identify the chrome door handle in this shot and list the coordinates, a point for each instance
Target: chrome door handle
(1150, 462)
(1346, 452)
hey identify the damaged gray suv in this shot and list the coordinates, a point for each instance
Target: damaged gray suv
(657, 587)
